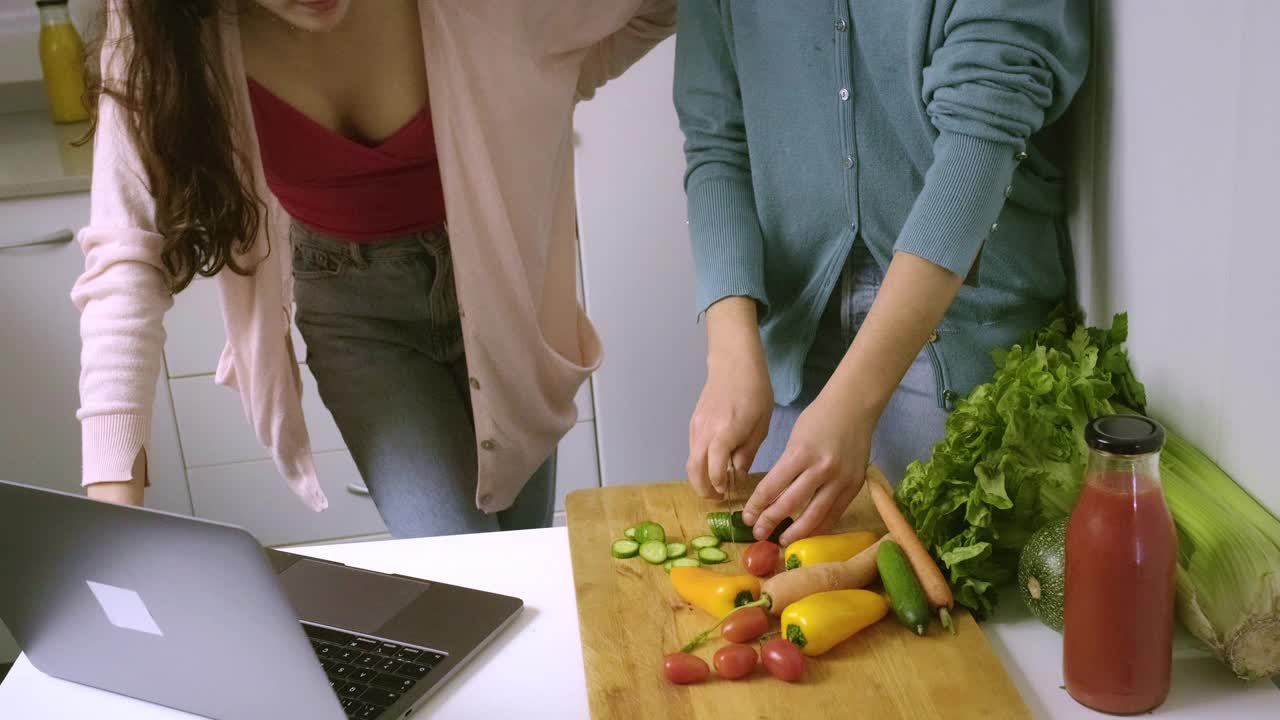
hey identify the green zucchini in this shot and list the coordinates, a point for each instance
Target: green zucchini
(649, 531)
(668, 565)
(676, 550)
(712, 556)
(685, 562)
(705, 541)
(630, 533)
(623, 549)
(729, 527)
(906, 596)
(654, 552)
(1041, 570)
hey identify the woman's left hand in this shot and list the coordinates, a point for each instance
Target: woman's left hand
(820, 472)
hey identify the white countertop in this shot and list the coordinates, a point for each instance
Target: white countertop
(37, 157)
(535, 668)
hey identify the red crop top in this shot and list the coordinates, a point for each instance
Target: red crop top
(339, 186)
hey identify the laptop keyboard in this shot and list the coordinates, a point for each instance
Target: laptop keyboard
(369, 675)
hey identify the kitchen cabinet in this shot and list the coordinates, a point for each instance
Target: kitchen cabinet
(638, 272)
(40, 356)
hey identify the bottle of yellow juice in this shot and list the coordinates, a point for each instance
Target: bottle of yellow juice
(62, 61)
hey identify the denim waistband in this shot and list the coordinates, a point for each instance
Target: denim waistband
(434, 241)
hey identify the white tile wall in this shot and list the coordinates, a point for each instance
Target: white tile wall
(1178, 226)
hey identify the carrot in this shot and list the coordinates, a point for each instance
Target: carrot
(927, 571)
(785, 588)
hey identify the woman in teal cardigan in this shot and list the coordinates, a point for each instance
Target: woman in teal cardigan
(870, 216)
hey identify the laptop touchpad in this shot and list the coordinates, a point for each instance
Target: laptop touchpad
(345, 597)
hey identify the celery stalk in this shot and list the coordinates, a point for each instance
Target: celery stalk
(1228, 561)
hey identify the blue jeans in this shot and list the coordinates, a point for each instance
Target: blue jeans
(913, 421)
(384, 342)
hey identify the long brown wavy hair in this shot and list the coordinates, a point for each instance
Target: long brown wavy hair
(177, 101)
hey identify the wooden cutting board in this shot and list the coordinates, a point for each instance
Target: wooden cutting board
(631, 618)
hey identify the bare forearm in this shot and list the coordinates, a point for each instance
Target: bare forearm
(911, 303)
(130, 492)
(733, 333)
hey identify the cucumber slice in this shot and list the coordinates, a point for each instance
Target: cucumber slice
(668, 565)
(709, 556)
(654, 552)
(676, 550)
(623, 549)
(630, 532)
(650, 532)
(684, 562)
(705, 541)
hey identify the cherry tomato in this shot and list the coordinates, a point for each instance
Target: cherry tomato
(745, 625)
(735, 661)
(783, 659)
(761, 558)
(685, 669)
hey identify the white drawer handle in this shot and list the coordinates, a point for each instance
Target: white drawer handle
(358, 489)
(60, 237)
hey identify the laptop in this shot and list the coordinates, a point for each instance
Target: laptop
(197, 616)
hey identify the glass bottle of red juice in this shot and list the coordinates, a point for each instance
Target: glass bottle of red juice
(1122, 555)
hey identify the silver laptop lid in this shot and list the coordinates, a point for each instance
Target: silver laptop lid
(163, 608)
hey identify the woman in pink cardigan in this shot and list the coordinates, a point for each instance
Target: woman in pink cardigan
(402, 171)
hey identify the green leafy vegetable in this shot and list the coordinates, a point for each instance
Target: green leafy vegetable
(1013, 455)
(1013, 459)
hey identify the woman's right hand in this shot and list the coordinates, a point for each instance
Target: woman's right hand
(731, 418)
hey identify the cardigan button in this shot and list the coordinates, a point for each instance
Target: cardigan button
(933, 336)
(844, 93)
(1022, 155)
(995, 227)
(841, 25)
(1008, 190)
(488, 445)
(475, 384)
(486, 500)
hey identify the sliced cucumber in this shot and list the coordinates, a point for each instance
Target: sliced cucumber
(705, 541)
(676, 550)
(668, 565)
(623, 549)
(650, 532)
(654, 552)
(684, 562)
(630, 532)
(709, 556)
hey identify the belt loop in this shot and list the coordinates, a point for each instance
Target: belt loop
(357, 254)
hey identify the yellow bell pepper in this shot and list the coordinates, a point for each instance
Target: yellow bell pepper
(712, 592)
(820, 622)
(827, 548)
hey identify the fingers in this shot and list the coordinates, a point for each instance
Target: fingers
(696, 467)
(769, 488)
(818, 512)
(718, 464)
(788, 502)
(837, 508)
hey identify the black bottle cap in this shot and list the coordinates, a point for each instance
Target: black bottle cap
(1125, 435)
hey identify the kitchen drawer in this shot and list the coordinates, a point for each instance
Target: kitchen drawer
(253, 496)
(214, 429)
(576, 466)
(44, 219)
(196, 333)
